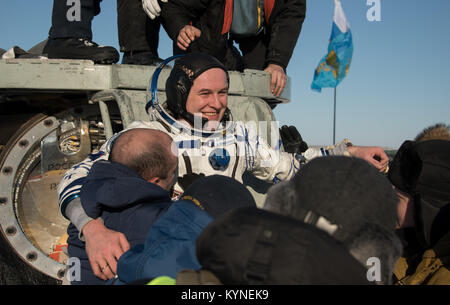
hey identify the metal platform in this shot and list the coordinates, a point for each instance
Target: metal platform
(62, 74)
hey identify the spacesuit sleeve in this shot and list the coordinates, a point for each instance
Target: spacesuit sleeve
(339, 149)
(266, 162)
(271, 164)
(70, 186)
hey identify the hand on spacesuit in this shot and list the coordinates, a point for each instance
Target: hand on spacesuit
(152, 8)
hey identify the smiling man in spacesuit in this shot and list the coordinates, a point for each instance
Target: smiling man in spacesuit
(207, 141)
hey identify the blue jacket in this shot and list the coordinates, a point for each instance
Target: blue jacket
(169, 247)
(126, 203)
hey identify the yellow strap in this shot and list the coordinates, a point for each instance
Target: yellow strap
(197, 203)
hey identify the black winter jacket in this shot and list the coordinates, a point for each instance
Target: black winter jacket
(284, 19)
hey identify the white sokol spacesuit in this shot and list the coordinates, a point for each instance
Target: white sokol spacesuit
(230, 150)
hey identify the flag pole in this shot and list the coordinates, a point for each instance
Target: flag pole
(334, 114)
(334, 118)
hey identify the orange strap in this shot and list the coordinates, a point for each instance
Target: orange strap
(268, 7)
(228, 16)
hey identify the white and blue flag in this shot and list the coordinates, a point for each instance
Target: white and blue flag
(335, 65)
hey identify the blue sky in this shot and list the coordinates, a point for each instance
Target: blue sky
(397, 85)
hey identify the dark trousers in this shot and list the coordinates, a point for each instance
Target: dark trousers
(69, 21)
(137, 32)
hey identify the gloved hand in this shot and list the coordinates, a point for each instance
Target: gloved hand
(292, 140)
(187, 179)
(152, 8)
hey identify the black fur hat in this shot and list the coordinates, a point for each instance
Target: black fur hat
(350, 200)
(218, 194)
(253, 246)
(345, 191)
(422, 169)
(181, 79)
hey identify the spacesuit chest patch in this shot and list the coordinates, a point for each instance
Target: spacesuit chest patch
(219, 159)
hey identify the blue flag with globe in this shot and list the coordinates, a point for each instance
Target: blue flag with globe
(335, 65)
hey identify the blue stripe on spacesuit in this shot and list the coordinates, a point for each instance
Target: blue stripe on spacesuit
(245, 147)
(225, 141)
(196, 144)
(189, 144)
(295, 167)
(211, 144)
(79, 182)
(325, 152)
(66, 202)
(239, 138)
(111, 141)
(290, 170)
(250, 154)
(257, 143)
(278, 145)
(83, 166)
(95, 156)
(70, 194)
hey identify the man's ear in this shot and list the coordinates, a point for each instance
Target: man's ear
(154, 180)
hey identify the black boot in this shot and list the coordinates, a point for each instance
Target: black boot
(80, 48)
(145, 58)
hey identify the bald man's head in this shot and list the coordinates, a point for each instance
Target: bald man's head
(147, 152)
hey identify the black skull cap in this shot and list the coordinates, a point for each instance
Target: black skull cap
(180, 81)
